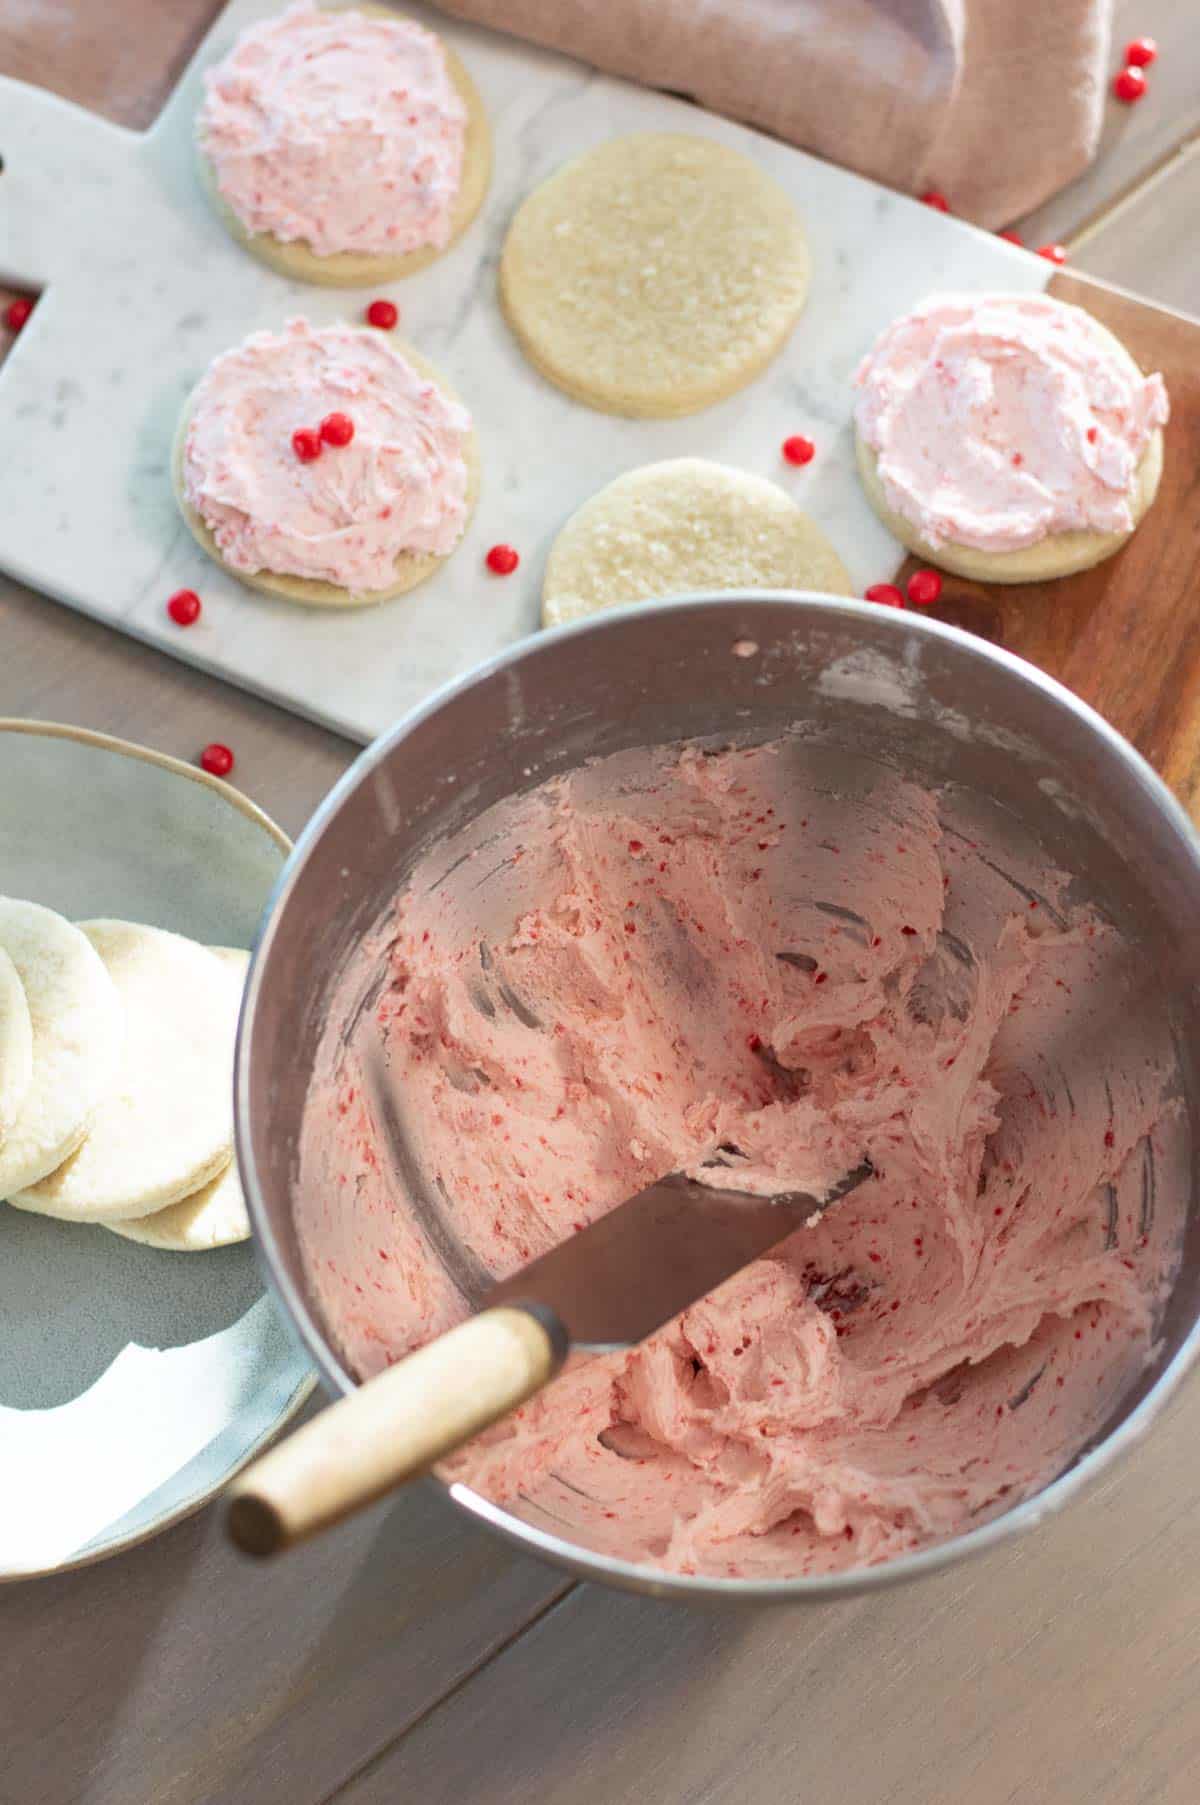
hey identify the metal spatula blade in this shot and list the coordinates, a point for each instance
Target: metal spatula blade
(634, 1268)
(616, 1281)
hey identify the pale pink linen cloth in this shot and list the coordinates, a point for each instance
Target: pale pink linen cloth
(996, 103)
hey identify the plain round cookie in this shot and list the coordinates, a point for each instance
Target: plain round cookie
(411, 567)
(361, 269)
(213, 1216)
(165, 1126)
(654, 275)
(76, 1018)
(235, 958)
(1058, 555)
(16, 1044)
(685, 524)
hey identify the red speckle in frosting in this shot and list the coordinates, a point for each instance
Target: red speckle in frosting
(184, 607)
(337, 429)
(306, 444)
(502, 560)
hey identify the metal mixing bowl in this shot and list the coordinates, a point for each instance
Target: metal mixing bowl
(868, 682)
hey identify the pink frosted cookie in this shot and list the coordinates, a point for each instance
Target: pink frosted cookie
(1007, 437)
(343, 147)
(325, 464)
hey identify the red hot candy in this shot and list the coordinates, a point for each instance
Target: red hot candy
(798, 450)
(1129, 85)
(184, 607)
(924, 587)
(306, 444)
(337, 429)
(217, 760)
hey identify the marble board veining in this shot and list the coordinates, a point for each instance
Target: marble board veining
(141, 286)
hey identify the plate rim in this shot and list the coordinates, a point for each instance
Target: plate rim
(195, 1502)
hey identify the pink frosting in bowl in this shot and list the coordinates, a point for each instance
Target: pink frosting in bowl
(341, 129)
(999, 420)
(400, 487)
(748, 963)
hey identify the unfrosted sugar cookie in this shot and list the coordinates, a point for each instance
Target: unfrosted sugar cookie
(164, 1127)
(77, 1029)
(327, 465)
(343, 147)
(683, 525)
(213, 1216)
(654, 275)
(1009, 438)
(234, 958)
(16, 1044)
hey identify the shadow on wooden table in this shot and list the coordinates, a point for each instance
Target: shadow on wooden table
(183, 1674)
(1062, 1667)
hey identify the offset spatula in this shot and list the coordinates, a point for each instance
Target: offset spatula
(611, 1284)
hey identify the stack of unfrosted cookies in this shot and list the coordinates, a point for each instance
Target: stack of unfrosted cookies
(116, 1077)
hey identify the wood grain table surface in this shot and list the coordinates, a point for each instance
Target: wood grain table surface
(410, 1657)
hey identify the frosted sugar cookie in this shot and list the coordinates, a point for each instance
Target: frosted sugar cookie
(654, 275)
(682, 525)
(165, 1126)
(1010, 438)
(326, 464)
(343, 147)
(75, 1017)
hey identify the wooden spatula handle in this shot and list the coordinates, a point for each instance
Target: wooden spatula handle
(394, 1426)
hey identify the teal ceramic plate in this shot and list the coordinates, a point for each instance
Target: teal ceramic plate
(133, 1383)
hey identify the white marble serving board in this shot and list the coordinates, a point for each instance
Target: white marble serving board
(142, 286)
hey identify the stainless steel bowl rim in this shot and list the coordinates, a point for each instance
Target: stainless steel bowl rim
(700, 1588)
